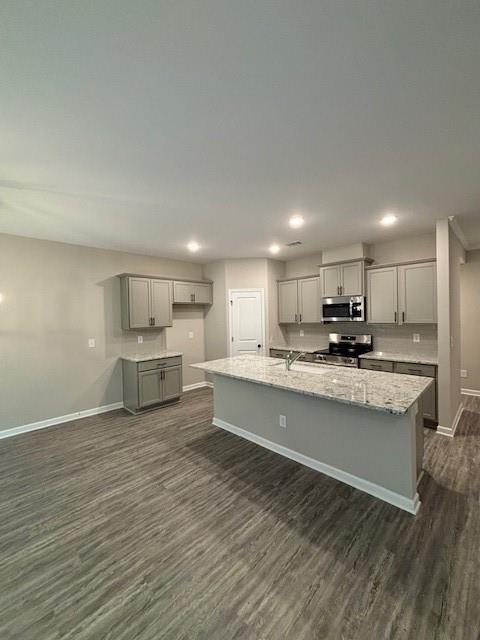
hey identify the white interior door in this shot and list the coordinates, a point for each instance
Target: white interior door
(247, 325)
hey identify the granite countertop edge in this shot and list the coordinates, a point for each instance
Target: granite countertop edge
(399, 356)
(145, 357)
(289, 347)
(292, 385)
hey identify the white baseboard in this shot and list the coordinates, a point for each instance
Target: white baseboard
(197, 385)
(450, 431)
(471, 392)
(50, 422)
(407, 504)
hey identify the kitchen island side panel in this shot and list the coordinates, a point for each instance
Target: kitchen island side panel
(375, 446)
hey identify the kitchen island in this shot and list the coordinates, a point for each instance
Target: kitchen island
(358, 426)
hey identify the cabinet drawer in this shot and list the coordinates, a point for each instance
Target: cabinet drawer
(159, 364)
(377, 365)
(426, 370)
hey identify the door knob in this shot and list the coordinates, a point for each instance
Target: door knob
(259, 346)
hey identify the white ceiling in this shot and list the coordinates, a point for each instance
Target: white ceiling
(141, 126)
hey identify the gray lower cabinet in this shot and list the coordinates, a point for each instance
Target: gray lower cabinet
(429, 399)
(151, 383)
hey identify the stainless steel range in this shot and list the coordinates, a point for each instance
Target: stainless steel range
(343, 350)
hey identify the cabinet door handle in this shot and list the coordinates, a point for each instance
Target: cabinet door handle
(395, 316)
(295, 317)
(300, 318)
(153, 322)
(403, 316)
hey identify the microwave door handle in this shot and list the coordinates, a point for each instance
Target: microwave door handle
(351, 309)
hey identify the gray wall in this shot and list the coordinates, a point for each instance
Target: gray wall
(470, 314)
(56, 296)
(449, 257)
(419, 247)
(216, 329)
(242, 273)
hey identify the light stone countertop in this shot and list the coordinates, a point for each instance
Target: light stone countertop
(399, 356)
(394, 393)
(289, 347)
(144, 357)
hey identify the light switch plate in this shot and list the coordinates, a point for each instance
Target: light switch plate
(139, 339)
(91, 343)
(190, 335)
(302, 333)
(283, 421)
(463, 373)
(416, 337)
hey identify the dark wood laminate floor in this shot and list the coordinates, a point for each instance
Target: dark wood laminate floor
(162, 526)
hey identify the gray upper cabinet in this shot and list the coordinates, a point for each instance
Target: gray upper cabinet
(138, 303)
(330, 279)
(352, 277)
(417, 293)
(288, 302)
(299, 301)
(309, 300)
(342, 279)
(161, 301)
(382, 305)
(146, 302)
(404, 294)
(192, 293)
(202, 293)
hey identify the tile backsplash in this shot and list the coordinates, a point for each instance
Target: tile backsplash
(385, 337)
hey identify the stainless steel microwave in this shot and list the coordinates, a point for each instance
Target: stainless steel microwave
(343, 309)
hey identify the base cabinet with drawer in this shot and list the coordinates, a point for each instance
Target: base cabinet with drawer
(151, 383)
(429, 399)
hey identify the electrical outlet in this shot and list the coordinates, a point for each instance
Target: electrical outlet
(139, 339)
(416, 337)
(91, 343)
(283, 421)
(463, 373)
(190, 335)
(302, 333)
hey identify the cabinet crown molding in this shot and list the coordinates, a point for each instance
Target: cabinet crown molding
(169, 278)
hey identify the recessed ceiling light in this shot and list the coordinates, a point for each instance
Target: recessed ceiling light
(193, 246)
(274, 248)
(388, 219)
(296, 221)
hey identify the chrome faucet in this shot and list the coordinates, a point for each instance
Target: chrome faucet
(290, 359)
